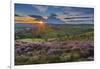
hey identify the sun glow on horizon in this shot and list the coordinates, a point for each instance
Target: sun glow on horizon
(41, 22)
(29, 20)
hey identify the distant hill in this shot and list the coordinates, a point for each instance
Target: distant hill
(37, 16)
(54, 20)
(17, 15)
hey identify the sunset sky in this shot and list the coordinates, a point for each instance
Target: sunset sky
(57, 14)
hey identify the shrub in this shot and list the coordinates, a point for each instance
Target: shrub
(53, 59)
(65, 57)
(20, 60)
(75, 56)
(33, 60)
(55, 52)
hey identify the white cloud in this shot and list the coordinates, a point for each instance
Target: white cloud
(41, 8)
(76, 18)
(45, 17)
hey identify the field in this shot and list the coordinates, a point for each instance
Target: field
(53, 43)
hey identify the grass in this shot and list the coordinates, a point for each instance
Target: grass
(38, 40)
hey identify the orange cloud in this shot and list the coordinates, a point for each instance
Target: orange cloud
(26, 19)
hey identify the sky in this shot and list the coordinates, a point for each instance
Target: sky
(57, 14)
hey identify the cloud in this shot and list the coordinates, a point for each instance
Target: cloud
(76, 15)
(41, 8)
(82, 18)
(45, 17)
(67, 14)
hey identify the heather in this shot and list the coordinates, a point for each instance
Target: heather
(57, 44)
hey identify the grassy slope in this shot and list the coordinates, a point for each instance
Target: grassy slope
(76, 44)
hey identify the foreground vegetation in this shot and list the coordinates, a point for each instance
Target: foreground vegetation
(58, 43)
